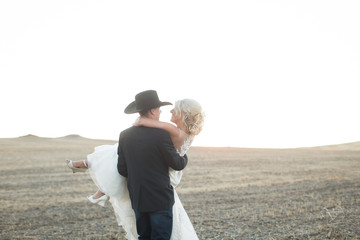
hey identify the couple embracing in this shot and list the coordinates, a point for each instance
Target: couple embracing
(139, 174)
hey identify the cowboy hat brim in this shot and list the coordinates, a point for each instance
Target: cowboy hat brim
(131, 108)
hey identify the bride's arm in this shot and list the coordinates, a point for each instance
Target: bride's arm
(171, 129)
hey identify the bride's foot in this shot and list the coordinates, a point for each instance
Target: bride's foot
(77, 166)
(99, 198)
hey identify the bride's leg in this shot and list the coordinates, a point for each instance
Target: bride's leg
(77, 166)
(80, 164)
(98, 194)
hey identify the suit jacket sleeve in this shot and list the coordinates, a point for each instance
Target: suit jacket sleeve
(122, 167)
(170, 154)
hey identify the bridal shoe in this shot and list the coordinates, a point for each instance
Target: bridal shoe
(75, 169)
(101, 200)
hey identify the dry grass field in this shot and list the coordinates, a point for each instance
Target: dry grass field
(229, 193)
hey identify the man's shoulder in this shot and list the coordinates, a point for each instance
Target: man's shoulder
(126, 133)
(154, 132)
(126, 130)
(158, 131)
(146, 130)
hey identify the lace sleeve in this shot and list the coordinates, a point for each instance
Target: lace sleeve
(185, 147)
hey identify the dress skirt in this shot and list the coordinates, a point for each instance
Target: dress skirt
(102, 165)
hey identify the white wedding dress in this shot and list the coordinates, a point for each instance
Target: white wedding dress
(102, 164)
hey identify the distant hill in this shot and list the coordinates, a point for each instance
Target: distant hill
(352, 146)
(67, 136)
(33, 141)
(72, 136)
(29, 136)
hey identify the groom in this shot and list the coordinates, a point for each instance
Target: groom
(145, 155)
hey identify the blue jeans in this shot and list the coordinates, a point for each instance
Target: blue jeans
(154, 225)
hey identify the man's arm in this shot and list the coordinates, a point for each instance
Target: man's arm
(122, 167)
(173, 158)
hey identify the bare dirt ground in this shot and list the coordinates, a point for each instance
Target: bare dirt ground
(229, 193)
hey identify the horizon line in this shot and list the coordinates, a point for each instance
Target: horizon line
(204, 146)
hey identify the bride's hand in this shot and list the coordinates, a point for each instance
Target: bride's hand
(138, 122)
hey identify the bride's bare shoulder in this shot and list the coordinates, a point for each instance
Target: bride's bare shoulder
(180, 139)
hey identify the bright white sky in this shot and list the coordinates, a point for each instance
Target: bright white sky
(268, 73)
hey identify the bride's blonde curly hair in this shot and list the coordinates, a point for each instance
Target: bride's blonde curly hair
(192, 115)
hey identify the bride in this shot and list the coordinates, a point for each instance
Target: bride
(188, 118)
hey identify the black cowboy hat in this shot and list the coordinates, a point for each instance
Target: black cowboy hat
(144, 101)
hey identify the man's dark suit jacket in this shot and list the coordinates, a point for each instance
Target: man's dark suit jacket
(144, 157)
